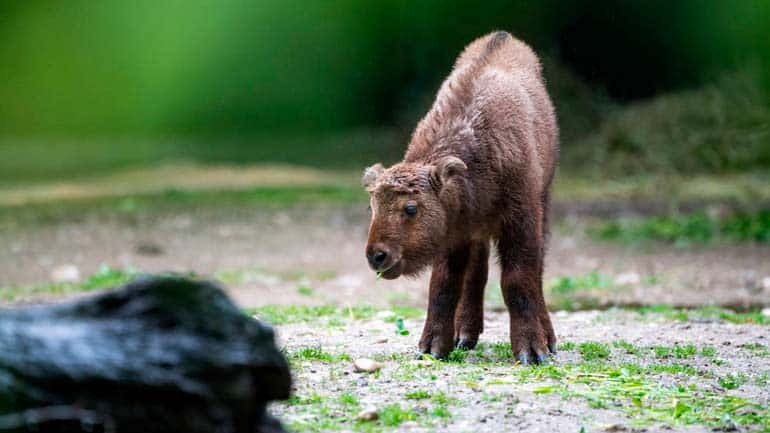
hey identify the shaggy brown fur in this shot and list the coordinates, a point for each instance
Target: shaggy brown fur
(479, 168)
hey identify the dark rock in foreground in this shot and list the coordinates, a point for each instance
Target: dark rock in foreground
(161, 354)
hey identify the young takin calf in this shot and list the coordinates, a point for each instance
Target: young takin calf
(479, 167)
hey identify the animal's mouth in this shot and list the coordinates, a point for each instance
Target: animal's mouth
(393, 271)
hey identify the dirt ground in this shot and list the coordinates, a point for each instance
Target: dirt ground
(265, 255)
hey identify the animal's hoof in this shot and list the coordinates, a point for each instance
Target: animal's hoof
(464, 344)
(533, 340)
(438, 355)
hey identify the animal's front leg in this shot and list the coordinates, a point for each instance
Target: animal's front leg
(445, 285)
(469, 317)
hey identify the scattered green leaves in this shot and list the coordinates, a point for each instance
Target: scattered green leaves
(400, 328)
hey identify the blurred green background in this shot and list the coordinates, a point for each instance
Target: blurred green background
(640, 87)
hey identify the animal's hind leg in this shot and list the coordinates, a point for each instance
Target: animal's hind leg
(521, 259)
(469, 316)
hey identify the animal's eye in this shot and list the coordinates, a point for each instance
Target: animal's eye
(410, 209)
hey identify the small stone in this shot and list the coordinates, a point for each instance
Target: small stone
(384, 315)
(65, 274)
(422, 362)
(368, 414)
(381, 340)
(627, 279)
(766, 312)
(366, 365)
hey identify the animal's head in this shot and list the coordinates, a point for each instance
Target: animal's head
(410, 205)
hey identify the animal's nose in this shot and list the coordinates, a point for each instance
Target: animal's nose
(377, 258)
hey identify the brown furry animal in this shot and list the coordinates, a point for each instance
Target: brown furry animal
(479, 167)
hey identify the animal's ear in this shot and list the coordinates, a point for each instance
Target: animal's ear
(371, 174)
(449, 167)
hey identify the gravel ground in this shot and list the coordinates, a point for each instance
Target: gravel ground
(488, 392)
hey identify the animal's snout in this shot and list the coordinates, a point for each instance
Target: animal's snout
(377, 257)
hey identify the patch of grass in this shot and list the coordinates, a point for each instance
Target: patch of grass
(287, 314)
(685, 351)
(457, 356)
(670, 369)
(756, 349)
(748, 187)
(732, 381)
(762, 379)
(315, 353)
(694, 228)
(256, 274)
(502, 351)
(575, 292)
(305, 290)
(106, 277)
(570, 284)
(336, 322)
(567, 345)
(442, 398)
(420, 394)
(627, 347)
(677, 351)
(662, 351)
(705, 313)
(178, 200)
(283, 314)
(298, 400)
(440, 411)
(348, 399)
(394, 415)
(592, 351)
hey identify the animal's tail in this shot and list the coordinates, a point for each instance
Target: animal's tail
(495, 42)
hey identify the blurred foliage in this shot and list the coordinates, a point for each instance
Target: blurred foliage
(723, 126)
(37, 158)
(97, 85)
(699, 227)
(591, 280)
